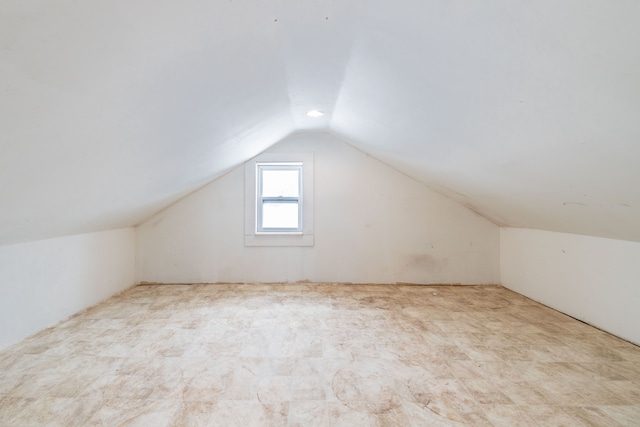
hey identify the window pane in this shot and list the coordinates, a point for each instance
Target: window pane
(279, 215)
(280, 183)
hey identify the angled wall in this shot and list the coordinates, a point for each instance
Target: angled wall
(372, 224)
(593, 279)
(46, 281)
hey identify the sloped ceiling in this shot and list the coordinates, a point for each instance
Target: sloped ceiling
(526, 111)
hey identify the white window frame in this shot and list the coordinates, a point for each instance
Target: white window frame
(303, 236)
(261, 200)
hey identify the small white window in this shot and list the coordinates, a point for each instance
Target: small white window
(279, 198)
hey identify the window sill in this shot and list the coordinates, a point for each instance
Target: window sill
(279, 233)
(278, 239)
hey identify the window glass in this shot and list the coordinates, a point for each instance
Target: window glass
(280, 215)
(280, 183)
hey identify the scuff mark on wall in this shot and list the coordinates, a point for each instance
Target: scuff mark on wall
(425, 262)
(156, 221)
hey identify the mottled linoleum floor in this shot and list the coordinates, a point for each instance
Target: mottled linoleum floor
(320, 355)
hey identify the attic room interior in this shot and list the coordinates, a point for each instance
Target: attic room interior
(320, 212)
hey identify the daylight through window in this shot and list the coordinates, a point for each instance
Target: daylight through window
(279, 197)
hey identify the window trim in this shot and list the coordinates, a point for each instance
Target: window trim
(305, 236)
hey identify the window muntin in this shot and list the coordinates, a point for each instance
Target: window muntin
(279, 197)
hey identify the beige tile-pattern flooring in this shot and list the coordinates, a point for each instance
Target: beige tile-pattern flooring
(320, 355)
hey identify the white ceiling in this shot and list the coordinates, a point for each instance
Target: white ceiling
(526, 111)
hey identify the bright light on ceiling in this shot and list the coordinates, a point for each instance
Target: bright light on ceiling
(315, 113)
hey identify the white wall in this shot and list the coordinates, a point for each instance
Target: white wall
(46, 281)
(593, 279)
(372, 225)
